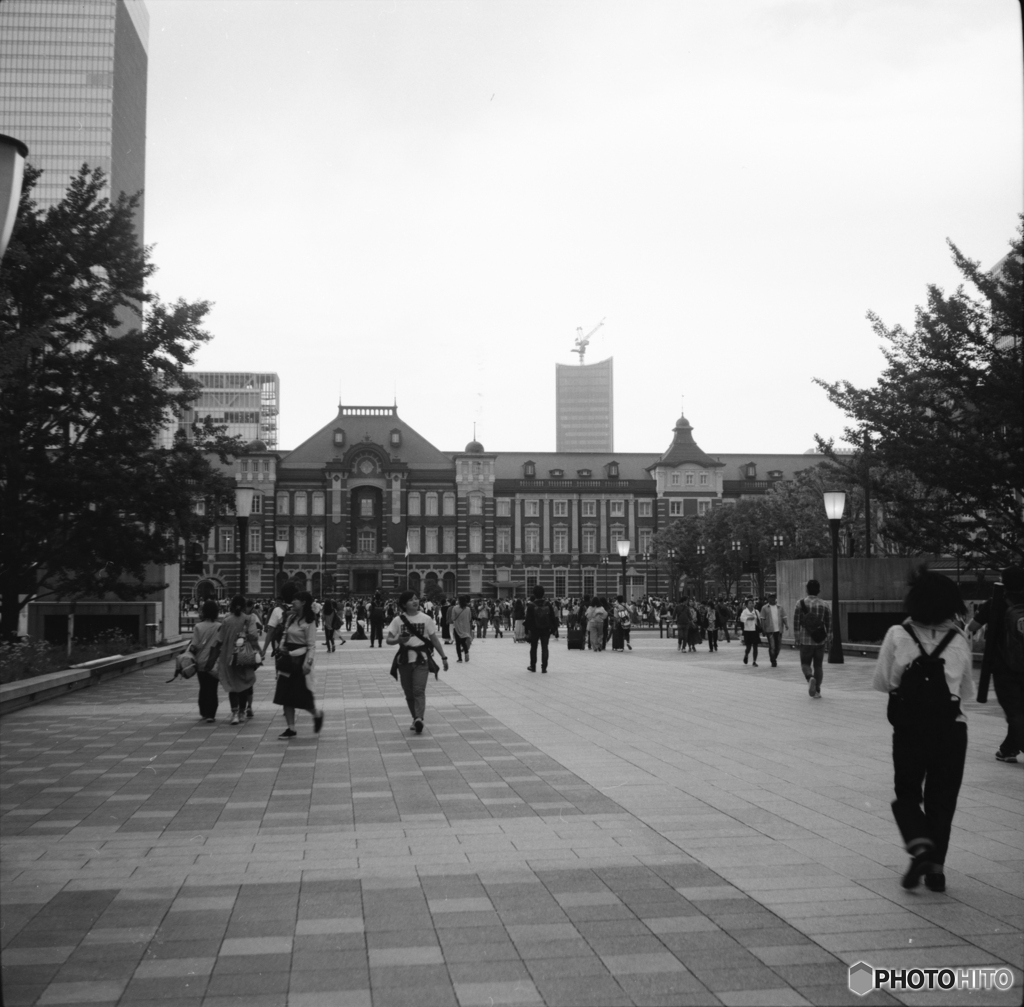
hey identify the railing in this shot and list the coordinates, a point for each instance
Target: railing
(369, 410)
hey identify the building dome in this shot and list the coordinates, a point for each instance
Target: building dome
(474, 448)
(256, 445)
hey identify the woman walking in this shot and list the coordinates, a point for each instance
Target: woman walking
(596, 616)
(204, 639)
(416, 635)
(295, 681)
(925, 666)
(238, 649)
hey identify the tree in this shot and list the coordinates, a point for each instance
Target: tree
(945, 422)
(89, 498)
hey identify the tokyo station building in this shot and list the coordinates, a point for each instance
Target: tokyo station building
(386, 505)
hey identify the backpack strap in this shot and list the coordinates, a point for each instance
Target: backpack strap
(943, 643)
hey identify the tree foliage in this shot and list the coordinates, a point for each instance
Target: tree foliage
(944, 424)
(89, 498)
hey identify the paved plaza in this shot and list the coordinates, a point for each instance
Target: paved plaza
(639, 828)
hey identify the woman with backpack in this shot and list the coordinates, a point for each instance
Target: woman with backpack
(925, 667)
(238, 650)
(204, 639)
(416, 635)
(295, 683)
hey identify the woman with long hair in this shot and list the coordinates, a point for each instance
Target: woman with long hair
(295, 682)
(204, 639)
(416, 635)
(238, 649)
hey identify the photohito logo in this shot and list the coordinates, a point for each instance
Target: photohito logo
(865, 977)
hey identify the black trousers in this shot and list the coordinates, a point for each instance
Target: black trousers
(542, 639)
(1009, 694)
(712, 638)
(209, 699)
(461, 646)
(377, 633)
(750, 641)
(928, 764)
(240, 700)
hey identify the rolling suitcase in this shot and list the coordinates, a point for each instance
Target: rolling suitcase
(576, 638)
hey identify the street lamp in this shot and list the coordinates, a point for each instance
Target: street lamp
(623, 547)
(647, 584)
(243, 508)
(835, 504)
(777, 543)
(737, 545)
(281, 548)
(605, 560)
(700, 559)
(673, 579)
(12, 169)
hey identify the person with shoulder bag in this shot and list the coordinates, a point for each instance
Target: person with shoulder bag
(204, 639)
(296, 685)
(540, 623)
(925, 667)
(238, 654)
(416, 635)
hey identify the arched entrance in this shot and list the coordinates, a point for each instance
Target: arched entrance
(209, 587)
(300, 580)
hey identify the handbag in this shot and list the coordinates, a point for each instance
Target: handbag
(184, 665)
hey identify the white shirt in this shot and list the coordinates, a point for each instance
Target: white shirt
(749, 617)
(422, 621)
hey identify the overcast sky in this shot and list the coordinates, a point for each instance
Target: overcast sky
(426, 199)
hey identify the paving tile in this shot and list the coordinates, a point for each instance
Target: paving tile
(497, 993)
(256, 945)
(82, 992)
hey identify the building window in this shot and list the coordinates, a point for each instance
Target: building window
(590, 539)
(478, 471)
(448, 583)
(366, 540)
(300, 504)
(561, 538)
(476, 579)
(643, 508)
(432, 540)
(532, 578)
(431, 505)
(266, 465)
(504, 507)
(618, 534)
(617, 508)
(613, 470)
(531, 538)
(533, 508)
(476, 503)
(366, 507)
(529, 470)
(318, 504)
(775, 474)
(300, 540)
(396, 438)
(255, 540)
(257, 503)
(282, 503)
(245, 464)
(583, 473)
(646, 536)
(449, 540)
(504, 540)
(703, 506)
(476, 538)
(318, 540)
(339, 438)
(449, 505)
(590, 508)
(675, 508)
(703, 478)
(676, 481)
(414, 505)
(282, 534)
(199, 507)
(561, 508)
(750, 470)
(227, 542)
(556, 473)
(588, 584)
(561, 584)
(689, 479)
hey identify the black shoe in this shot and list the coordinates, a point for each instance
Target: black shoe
(248, 713)
(918, 865)
(935, 880)
(288, 733)
(318, 721)
(755, 664)
(1006, 758)
(530, 668)
(774, 664)
(419, 726)
(745, 658)
(543, 671)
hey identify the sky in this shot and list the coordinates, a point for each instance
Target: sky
(423, 201)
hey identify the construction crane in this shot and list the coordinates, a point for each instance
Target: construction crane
(582, 341)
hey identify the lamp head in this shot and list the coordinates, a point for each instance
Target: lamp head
(243, 501)
(835, 504)
(281, 548)
(623, 546)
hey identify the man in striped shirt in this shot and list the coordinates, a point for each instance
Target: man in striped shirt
(812, 630)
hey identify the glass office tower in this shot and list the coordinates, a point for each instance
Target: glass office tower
(243, 401)
(73, 87)
(584, 417)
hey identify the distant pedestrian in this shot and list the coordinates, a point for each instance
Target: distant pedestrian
(296, 684)
(541, 622)
(348, 616)
(518, 620)
(461, 617)
(377, 622)
(683, 625)
(332, 623)
(773, 622)
(416, 635)
(596, 617)
(751, 623)
(276, 621)
(238, 650)
(204, 639)
(723, 615)
(925, 667)
(812, 629)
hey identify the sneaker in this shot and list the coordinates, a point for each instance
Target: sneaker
(418, 724)
(318, 721)
(918, 866)
(812, 686)
(1005, 758)
(211, 720)
(285, 734)
(744, 658)
(755, 664)
(530, 668)
(543, 671)
(249, 714)
(234, 719)
(412, 726)
(935, 880)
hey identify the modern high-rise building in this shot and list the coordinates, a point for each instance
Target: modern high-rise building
(245, 402)
(584, 417)
(73, 87)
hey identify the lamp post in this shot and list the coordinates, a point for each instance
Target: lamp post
(623, 547)
(835, 503)
(281, 549)
(674, 581)
(700, 559)
(12, 169)
(737, 545)
(647, 586)
(243, 508)
(777, 543)
(605, 560)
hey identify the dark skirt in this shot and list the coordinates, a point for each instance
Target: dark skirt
(291, 689)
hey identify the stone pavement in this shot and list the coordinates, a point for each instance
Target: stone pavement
(639, 828)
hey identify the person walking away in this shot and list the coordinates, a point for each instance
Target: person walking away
(773, 622)
(238, 653)
(683, 625)
(624, 621)
(750, 621)
(462, 628)
(1003, 661)
(296, 684)
(722, 617)
(446, 630)
(348, 616)
(377, 622)
(361, 614)
(693, 631)
(275, 624)
(596, 618)
(712, 621)
(618, 641)
(204, 639)
(812, 630)
(327, 616)
(496, 621)
(415, 633)
(925, 667)
(518, 620)
(540, 623)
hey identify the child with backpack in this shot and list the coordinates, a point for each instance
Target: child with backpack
(925, 667)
